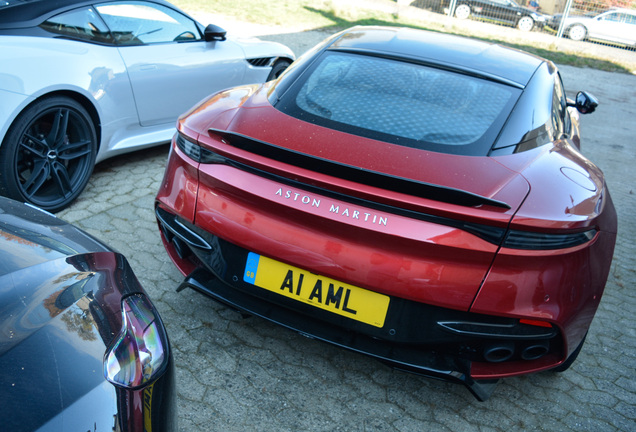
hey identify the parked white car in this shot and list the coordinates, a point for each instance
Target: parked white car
(82, 81)
(615, 25)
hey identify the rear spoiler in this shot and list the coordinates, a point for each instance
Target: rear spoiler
(356, 174)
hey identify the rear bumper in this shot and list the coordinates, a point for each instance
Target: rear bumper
(429, 340)
(404, 357)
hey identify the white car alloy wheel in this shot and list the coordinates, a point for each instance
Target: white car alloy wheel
(525, 24)
(48, 154)
(577, 32)
(462, 11)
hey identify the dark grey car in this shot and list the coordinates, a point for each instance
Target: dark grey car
(81, 345)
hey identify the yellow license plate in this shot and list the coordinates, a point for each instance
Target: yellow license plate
(322, 292)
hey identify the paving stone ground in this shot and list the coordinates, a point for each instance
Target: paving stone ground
(237, 374)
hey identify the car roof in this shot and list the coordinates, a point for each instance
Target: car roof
(30, 13)
(455, 52)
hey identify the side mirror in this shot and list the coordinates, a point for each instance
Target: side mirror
(585, 102)
(214, 33)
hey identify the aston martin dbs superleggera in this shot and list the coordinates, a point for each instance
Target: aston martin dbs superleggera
(81, 81)
(418, 197)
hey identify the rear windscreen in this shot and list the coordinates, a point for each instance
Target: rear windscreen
(403, 103)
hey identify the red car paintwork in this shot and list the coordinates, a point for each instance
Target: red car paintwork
(406, 258)
(549, 190)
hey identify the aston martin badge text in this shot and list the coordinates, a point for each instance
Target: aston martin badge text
(343, 211)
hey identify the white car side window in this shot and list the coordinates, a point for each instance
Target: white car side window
(613, 17)
(82, 24)
(141, 23)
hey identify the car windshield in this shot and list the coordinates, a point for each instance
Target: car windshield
(402, 103)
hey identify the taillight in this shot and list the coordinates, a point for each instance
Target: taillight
(541, 241)
(139, 353)
(197, 153)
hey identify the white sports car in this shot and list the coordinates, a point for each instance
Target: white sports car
(82, 81)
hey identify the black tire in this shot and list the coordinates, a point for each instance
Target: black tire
(48, 154)
(570, 360)
(278, 68)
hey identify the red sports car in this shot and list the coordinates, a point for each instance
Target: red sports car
(414, 196)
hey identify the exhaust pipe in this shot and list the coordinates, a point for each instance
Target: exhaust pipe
(499, 352)
(535, 350)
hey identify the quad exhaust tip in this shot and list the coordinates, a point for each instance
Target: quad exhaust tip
(503, 351)
(500, 352)
(536, 350)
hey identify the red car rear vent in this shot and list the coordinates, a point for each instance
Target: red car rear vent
(173, 227)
